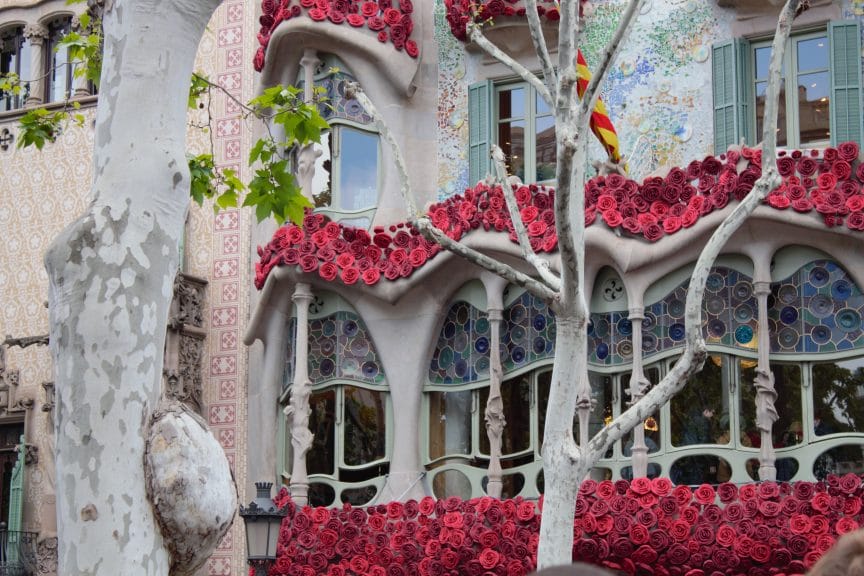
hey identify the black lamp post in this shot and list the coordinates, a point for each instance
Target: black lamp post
(263, 520)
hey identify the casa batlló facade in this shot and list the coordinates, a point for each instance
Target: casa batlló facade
(392, 341)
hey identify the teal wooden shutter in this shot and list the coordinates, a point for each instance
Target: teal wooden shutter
(845, 44)
(731, 86)
(16, 503)
(479, 113)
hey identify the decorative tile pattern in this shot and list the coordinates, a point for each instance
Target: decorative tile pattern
(340, 349)
(462, 353)
(527, 332)
(818, 309)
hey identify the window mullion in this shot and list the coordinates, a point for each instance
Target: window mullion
(530, 148)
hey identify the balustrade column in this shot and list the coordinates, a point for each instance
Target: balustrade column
(298, 409)
(36, 35)
(307, 154)
(494, 413)
(766, 395)
(638, 388)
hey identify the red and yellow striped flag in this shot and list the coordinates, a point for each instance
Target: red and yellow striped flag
(601, 124)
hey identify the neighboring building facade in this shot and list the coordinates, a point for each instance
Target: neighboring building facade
(399, 369)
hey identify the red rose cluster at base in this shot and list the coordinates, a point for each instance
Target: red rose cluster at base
(828, 181)
(645, 527)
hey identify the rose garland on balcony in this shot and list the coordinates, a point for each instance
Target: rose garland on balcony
(460, 12)
(391, 20)
(828, 181)
(643, 527)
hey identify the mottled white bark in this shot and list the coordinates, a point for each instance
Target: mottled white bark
(111, 275)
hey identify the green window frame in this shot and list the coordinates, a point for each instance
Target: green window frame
(530, 155)
(738, 73)
(796, 69)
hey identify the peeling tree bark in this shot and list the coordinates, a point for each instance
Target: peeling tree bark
(111, 274)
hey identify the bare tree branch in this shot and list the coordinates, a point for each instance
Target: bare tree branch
(476, 35)
(353, 90)
(550, 77)
(532, 285)
(592, 92)
(539, 264)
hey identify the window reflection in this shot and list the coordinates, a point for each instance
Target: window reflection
(59, 85)
(694, 470)
(358, 169)
(838, 391)
(840, 460)
(322, 423)
(365, 420)
(700, 412)
(787, 430)
(601, 394)
(449, 423)
(516, 396)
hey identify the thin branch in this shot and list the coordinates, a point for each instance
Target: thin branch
(539, 264)
(568, 36)
(550, 77)
(477, 36)
(692, 359)
(592, 92)
(532, 285)
(353, 90)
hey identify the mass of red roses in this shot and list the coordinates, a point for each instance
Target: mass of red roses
(827, 181)
(390, 20)
(643, 527)
(460, 12)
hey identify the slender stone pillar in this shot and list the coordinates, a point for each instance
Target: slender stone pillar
(307, 154)
(36, 35)
(494, 413)
(638, 388)
(766, 395)
(298, 409)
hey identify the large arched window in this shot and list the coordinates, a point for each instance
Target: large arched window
(350, 407)
(14, 59)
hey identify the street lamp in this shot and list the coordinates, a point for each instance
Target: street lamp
(262, 519)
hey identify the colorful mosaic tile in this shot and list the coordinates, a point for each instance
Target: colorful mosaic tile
(462, 353)
(339, 349)
(818, 309)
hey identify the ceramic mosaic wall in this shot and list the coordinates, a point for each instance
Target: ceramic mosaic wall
(453, 83)
(658, 94)
(818, 309)
(340, 349)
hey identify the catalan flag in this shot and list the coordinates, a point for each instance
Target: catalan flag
(601, 124)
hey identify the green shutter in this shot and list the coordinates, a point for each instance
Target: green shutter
(731, 85)
(16, 502)
(479, 105)
(845, 43)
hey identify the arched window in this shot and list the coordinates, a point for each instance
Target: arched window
(349, 407)
(347, 172)
(14, 59)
